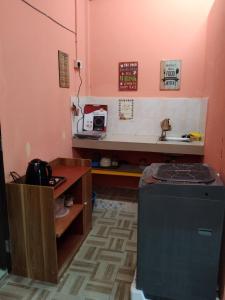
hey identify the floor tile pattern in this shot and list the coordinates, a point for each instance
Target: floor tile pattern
(116, 193)
(103, 269)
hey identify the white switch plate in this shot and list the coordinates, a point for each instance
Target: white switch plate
(78, 64)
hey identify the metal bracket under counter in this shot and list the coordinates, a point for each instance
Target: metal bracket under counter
(141, 143)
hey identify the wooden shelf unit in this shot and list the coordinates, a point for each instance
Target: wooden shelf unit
(42, 246)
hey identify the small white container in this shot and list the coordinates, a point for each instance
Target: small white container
(60, 209)
(69, 201)
(105, 162)
(59, 204)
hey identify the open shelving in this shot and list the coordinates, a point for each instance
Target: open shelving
(61, 224)
(41, 245)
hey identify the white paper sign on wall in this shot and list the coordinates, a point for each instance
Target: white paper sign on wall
(126, 109)
(170, 73)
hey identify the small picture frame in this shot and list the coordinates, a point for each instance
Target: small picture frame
(126, 109)
(64, 78)
(170, 73)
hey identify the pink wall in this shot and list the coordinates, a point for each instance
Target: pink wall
(215, 90)
(34, 111)
(147, 32)
(82, 17)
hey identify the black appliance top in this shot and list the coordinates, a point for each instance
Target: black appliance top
(181, 172)
(55, 181)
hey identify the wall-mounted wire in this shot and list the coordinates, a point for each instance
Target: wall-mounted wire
(46, 15)
(16, 177)
(75, 6)
(78, 100)
(78, 67)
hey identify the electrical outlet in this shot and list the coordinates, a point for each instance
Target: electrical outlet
(77, 64)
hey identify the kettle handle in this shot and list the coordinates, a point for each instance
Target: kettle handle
(49, 168)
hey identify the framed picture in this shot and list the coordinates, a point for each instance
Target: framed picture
(170, 73)
(64, 78)
(126, 109)
(128, 76)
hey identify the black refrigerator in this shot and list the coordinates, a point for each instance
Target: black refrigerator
(4, 231)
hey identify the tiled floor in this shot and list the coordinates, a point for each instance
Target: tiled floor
(118, 194)
(103, 269)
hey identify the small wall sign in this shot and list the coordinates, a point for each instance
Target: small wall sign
(64, 78)
(128, 76)
(126, 109)
(170, 71)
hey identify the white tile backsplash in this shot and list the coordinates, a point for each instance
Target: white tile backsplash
(185, 114)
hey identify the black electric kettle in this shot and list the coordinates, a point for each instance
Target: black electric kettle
(38, 172)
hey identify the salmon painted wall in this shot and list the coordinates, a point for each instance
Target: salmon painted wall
(82, 25)
(34, 111)
(147, 32)
(215, 90)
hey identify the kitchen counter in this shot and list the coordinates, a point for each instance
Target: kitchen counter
(141, 143)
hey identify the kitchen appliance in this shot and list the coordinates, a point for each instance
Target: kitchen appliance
(180, 227)
(95, 117)
(55, 181)
(98, 123)
(179, 173)
(165, 126)
(38, 172)
(105, 162)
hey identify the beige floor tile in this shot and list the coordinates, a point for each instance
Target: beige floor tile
(98, 290)
(18, 291)
(125, 274)
(117, 244)
(110, 256)
(119, 232)
(121, 291)
(82, 267)
(105, 272)
(103, 268)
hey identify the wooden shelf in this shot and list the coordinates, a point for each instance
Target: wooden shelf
(67, 250)
(42, 246)
(61, 224)
(122, 170)
(72, 175)
(140, 143)
(115, 172)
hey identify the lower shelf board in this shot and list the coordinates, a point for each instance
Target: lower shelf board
(61, 224)
(123, 170)
(115, 173)
(67, 250)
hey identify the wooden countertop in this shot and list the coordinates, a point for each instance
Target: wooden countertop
(140, 143)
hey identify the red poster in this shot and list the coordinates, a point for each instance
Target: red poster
(128, 76)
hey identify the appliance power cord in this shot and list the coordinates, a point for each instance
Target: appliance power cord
(78, 100)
